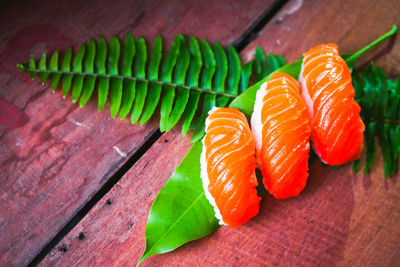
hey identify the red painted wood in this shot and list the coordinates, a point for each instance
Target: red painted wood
(351, 24)
(340, 218)
(54, 156)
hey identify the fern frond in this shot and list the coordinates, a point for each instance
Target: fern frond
(379, 99)
(192, 78)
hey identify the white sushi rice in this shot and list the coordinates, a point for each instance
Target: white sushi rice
(309, 103)
(305, 93)
(204, 176)
(256, 124)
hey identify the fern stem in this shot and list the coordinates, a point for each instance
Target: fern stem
(385, 121)
(353, 58)
(24, 68)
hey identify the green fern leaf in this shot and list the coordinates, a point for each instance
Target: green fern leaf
(53, 66)
(155, 88)
(182, 98)
(245, 76)
(90, 80)
(166, 77)
(101, 57)
(126, 71)
(141, 87)
(221, 71)
(66, 68)
(78, 78)
(206, 84)
(187, 83)
(42, 67)
(379, 98)
(233, 76)
(196, 64)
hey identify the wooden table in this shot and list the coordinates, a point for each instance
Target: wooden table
(76, 186)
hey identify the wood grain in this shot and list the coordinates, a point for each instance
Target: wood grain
(340, 218)
(117, 238)
(374, 226)
(54, 156)
(350, 24)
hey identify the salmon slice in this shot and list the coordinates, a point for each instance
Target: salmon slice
(337, 128)
(228, 167)
(281, 128)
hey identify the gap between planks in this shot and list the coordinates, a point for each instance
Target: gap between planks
(250, 34)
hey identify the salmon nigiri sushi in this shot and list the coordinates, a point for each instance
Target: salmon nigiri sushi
(337, 128)
(281, 128)
(228, 167)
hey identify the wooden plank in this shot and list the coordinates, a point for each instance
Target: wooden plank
(117, 239)
(54, 156)
(351, 24)
(371, 230)
(340, 218)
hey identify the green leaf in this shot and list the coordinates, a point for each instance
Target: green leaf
(141, 86)
(129, 88)
(166, 76)
(261, 63)
(155, 88)
(182, 65)
(32, 67)
(53, 66)
(383, 132)
(116, 83)
(90, 80)
(370, 140)
(42, 67)
(281, 60)
(273, 63)
(181, 212)
(128, 55)
(140, 97)
(356, 164)
(221, 71)
(66, 67)
(78, 78)
(128, 98)
(100, 61)
(195, 66)
(206, 83)
(233, 77)
(245, 76)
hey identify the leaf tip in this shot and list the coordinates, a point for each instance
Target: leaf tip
(140, 261)
(394, 28)
(113, 113)
(133, 120)
(21, 67)
(122, 116)
(184, 132)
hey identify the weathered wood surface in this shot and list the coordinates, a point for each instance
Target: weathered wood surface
(340, 218)
(54, 156)
(372, 231)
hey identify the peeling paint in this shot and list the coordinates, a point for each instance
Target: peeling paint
(122, 154)
(291, 9)
(77, 123)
